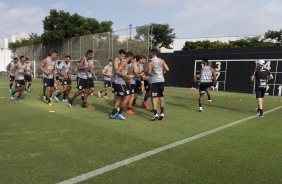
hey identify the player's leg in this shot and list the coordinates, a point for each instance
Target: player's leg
(107, 89)
(154, 99)
(161, 98)
(12, 79)
(202, 91)
(17, 88)
(147, 95)
(29, 83)
(131, 99)
(208, 90)
(64, 90)
(22, 88)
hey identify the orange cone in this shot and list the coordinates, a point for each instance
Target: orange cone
(229, 102)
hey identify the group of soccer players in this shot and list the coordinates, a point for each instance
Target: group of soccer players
(21, 72)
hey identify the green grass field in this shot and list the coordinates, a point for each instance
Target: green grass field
(39, 146)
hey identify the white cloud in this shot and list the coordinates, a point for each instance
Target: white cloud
(57, 6)
(203, 18)
(20, 19)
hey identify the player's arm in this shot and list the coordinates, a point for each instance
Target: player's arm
(213, 76)
(59, 70)
(120, 68)
(149, 67)
(43, 63)
(270, 76)
(104, 72)
(135, 69)
(94, 75)
(14, 71)
(166, 69)
(81, 65)
(8, 67)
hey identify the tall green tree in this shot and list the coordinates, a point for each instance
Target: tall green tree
(60, 25)
(275, 36)
(161, 35)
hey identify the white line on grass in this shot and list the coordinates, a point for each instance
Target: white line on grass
(154, 152)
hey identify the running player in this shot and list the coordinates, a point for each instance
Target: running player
(48, 68)
(44, 88)
(121, 90)
(57, 79)
(260, 79)
(65, 76)
(207, 80)
(83, 67)
(28, 75)
(139, 80)
(107, 72)
(90, 76)
(121, 55)
(156, 68)
(9, 70)
(18, 71)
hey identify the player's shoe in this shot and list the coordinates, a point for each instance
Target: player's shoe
(120, 117)
(113, 116)
(105, 97)
(28, 89)
(57, 99)
(156, 116)
(201, 109)
(192, 88)
(19, 99)
(10, 90)
(51, 99)
(91, 94)
(44, 97)
(99, 94)
(12, 97)
(141, 95)
(50, 103)
(208, 101)
(131, 107)
(145, 105)
(261, 115)
(25, 91)
(161, 116)
(130, 112)
(87, 106)
(65, 100)
(46, 101)
(70, 103)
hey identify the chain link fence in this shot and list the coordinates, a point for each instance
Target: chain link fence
(105, 46)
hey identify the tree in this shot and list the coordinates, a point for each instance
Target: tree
(32, 40)
(274, 36)
(162, 34)
(60, 25)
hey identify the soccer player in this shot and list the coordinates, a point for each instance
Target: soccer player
(260, 79)
(207, 80)
(133, 71)
(48, 68)
(27, 76)
(57, 79)
(156, 68)
(82, 74)
(139, 80)
(121, 90)
(18, 71)
(64, 71)
(90, 76)
(107, 72)
(116, 62)
(9, 70)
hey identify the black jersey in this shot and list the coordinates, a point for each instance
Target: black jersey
(261, 77)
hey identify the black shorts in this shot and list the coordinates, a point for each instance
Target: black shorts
(203, 87)
(133, 89)
(82, 84)
(65, 81)
(12, 78)
(121, 90)
(57, 77)
(91, 83)
(19, 83)
(48, 82)
(157, 89)
(113, 87)
(260, 92)
(147, 85)
(27, 78)
(138, 85)
(107, 84)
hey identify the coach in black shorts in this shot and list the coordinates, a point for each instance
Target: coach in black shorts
(260, 79)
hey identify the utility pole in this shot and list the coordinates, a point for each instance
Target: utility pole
(130, 25)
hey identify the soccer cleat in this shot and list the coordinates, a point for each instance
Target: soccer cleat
(113, 116)
(46, 101)
(57, 99)
(201, 109)
(19, 99)
(91, 94)
(50, 104)
(28, 89)
(120, 117)
(87, 106)
(10, 90)
(44, 97)
(99, 94)
(161, 116)
(145, 105)
(70, 103)
(105, 97)
(12, 97)
(141, 95)
(261, 115)
(192, 88)
(65, 100)
(156, 116)
(208, 101)
(130, 112)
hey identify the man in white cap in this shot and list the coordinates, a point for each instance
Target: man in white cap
(260, 79)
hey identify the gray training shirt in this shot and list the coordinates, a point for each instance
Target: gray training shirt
(108, 70)
(65, 69)
(156, 75)
(206, 75)
(114, 70)
(120, 79)
(20, 71)
(49, 67)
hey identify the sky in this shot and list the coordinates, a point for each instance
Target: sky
(188, 18)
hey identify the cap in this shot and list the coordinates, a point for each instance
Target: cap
(261, 62)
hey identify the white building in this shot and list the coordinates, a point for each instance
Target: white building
(178, 43)
(5, 53)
